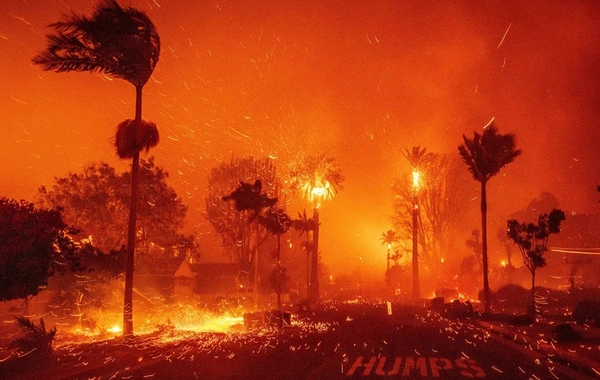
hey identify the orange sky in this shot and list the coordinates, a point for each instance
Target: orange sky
(358, 80)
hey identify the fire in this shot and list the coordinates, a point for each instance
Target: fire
(115, 329)
(415, 174)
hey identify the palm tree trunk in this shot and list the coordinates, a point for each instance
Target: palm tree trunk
(307, 273)
(416, 291)
(484, 253)
(256, 264)
(131, 233)
(279, 308)
(315, 258)
(533, 311)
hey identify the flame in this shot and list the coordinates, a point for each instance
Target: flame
(115, 329)
(415, 175)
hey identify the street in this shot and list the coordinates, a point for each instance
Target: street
(340, 341)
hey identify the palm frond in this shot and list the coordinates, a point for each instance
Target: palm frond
(133, 137)
(489, 152)
(121, 42)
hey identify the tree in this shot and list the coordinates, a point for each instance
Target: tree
(277, 222)
(442, 196)
(34, 244)
(532, 240)
(475, 244)
(95, 201)
(315, 179)
(124, 43)
(305, 225)
(239, 240)
(388, 238)
(484, 156)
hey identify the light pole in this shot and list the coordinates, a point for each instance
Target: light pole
(317, 192)
(415, 216)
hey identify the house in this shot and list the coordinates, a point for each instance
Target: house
(208, 280)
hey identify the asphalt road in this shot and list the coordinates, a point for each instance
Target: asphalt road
(342, 341)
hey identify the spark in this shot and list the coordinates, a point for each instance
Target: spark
(18, 100)
(489, 122)
(503, 37)
(20, 19)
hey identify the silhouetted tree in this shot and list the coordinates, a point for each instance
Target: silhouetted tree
(442, 197)
(238, 236)
(485, 155)
(95, 201)
(277, 222)
(34, 244)
(305, 225)
(388, 238)
(124, 43)
(532, 240)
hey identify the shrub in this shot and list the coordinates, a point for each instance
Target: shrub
(587, 311)
(36, 340)
(565, 333)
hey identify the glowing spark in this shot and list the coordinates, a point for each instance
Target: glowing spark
(489, 122)
(20, 19)
(18, 101)
(503, 37)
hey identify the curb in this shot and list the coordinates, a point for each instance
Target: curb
(573, 361)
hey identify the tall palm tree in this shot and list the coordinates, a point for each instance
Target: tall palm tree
(388, 238)
(485, 155)
(418, 159)
(124, 43)
(316, 178)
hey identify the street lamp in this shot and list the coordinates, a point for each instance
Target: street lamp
(415, 215)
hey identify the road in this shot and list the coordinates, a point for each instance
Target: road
(342, 341)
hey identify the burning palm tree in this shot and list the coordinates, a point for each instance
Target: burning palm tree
(124, 43)
(417, 158)
(316, 178)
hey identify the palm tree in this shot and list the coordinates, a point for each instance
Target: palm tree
(417, 158)
(485, 155)
(124, 43)
(316, 178)
(277, 222)
(388, 238)
(305, 224)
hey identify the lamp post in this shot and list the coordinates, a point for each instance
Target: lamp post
(416, 293)
(318, 192)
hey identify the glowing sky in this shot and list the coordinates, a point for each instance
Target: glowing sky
(358, 80)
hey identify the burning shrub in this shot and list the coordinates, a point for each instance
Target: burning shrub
(36, 340)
